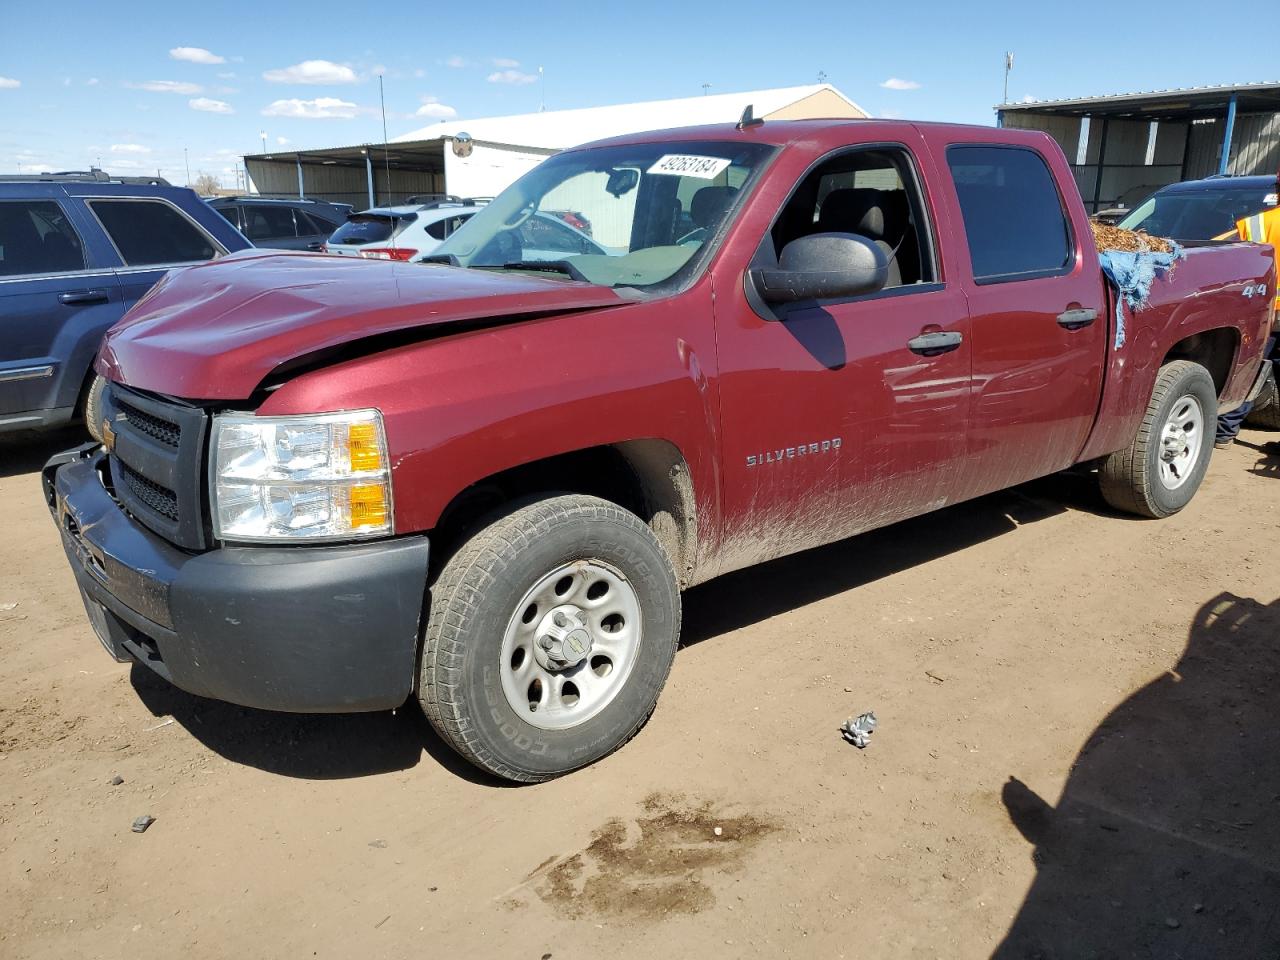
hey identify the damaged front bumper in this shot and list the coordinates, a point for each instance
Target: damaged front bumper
(300, 629)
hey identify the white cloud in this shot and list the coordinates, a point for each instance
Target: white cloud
(893, 83)
(312, 71)
(129, 148)
(321, 108)
(1028, 99)
(457, 62)
(505, 62)
(419, 73)
(8, 83)
(226, 75)
(207, 105)
(169, 86)
(91, 82)
(377, 69)
(432, 107)
(281, 141)
(511, 76)
(196, 55)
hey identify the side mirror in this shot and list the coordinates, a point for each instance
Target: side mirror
(823, 266)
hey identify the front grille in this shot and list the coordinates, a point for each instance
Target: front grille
(156, 459)
(170, 434)
(160, 499)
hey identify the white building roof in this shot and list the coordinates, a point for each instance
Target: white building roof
(558, 129)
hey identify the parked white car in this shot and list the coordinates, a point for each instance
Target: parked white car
(400, 233)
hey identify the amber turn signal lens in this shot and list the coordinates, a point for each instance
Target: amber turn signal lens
(362, 443)
(368, 505)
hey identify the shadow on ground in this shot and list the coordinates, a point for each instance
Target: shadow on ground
(740, 599)
(1166, 840)
(319, 746)
(1268, 464)
(27, 451)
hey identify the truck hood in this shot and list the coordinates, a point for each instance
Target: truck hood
(215, 331)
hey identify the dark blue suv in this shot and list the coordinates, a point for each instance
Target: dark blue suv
(75, 254)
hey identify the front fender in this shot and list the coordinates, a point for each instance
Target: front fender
(461, 408)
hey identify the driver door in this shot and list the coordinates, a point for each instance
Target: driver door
(836, 418)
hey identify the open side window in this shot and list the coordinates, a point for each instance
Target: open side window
(872, 192)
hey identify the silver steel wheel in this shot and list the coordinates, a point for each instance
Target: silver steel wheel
(1180, 441)
(570, 645)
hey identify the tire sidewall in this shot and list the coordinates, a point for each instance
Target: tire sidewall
(1195, 381)
(512, 740)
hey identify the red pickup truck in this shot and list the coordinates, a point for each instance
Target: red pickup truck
(330, 485)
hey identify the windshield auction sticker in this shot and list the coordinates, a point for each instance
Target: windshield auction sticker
(679, 165)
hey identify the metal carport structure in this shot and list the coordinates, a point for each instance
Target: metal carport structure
(364, 175)
(1123, 146)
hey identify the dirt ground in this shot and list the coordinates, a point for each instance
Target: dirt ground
(1076, 757)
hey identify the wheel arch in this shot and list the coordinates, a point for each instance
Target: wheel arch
(650, 477)
(1214, 349)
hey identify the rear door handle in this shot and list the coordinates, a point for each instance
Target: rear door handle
(77, 298)
(932, 344)
(1077, 318)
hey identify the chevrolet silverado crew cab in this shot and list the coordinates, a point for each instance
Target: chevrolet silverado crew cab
(331, 484)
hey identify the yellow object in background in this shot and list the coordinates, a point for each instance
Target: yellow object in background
(1263, 228)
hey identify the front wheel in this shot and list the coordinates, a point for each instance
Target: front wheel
(1161, 470)
(92, 408)
(551, 634)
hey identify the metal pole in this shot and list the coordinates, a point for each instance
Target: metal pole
(368, 166)
(1102, 157)
(1225, 160)
(302, 194)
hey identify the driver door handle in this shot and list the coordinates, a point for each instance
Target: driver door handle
(1077, 318)
(932, 344)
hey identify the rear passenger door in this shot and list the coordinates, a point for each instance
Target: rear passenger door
(57, 298)
(150, 236)
(1038, 327)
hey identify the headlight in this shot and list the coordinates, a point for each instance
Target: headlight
(300, 478)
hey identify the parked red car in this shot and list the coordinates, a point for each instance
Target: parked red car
(332, 485)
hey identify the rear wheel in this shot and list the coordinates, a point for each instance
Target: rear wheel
(1159, 473)
(551, 633)
(1266, 409)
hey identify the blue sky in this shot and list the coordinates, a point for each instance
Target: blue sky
(132, 84)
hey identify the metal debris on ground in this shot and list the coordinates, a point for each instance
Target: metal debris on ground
(857, 730)
(140, 825)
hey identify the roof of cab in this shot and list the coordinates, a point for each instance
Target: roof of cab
(781, 133)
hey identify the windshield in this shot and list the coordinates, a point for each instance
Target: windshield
(1204, 215)
(617, 216)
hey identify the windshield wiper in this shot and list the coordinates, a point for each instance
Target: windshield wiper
(548, 266)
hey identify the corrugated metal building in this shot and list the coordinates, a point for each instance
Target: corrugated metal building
(472, 158)
(1124, 146)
